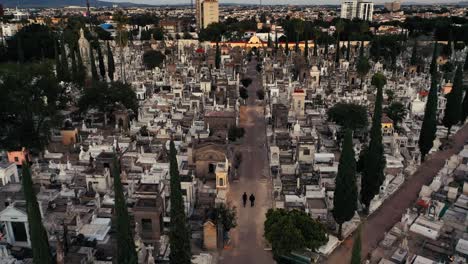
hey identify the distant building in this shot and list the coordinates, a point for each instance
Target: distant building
(393, 6)
(207, 12)
(361, 9)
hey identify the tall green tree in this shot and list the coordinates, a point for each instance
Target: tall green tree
(414, 54)
(429, 125)
(179, 234)
(74, 65)
(81, 70)
(453, 108)
(276, 41)
(433, 66)
(94, 74)
(58, 63)
(110, 63)
(126, 252)
(356, 253)
(306, 49)
(345, 196)
(64, 61)
(286, 48)
(464, 114)
(217, 56)
(339, 28)
(362, 68)
(20, 50)
(465, 65)
(316, 36)
(373, 172)
(102, 67)
(348, 50)
(37, 233)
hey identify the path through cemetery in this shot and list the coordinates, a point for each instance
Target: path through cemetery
(392, 209)
(247, 242)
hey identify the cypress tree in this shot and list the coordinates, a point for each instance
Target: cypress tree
(449, 44)
(345, 197)
(348, 50)
(306, 48)
(315, 46)
(465, 66)
(37, 232)
(356, 253)
(94, 73)
(429, 125)
(337, 57)
(126, 252)
(179, 236)
(269, 40)
(453, 108)
(81, 72)
(276, 41)
(74, 65)
(464, 114)
(414, 54)
(217, 56)
(64, 61)
(372, 175)
(433, 66)
(110, 63)
(361, 49)
(20, 50)
(286, 49)
(102, 67)
(58, 65)
(326, 45)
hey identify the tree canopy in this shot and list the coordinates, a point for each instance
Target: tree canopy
(105, 97)
(29, 105)
(153, 59)
(348, 115)
(292, 230)
(453, 109)
(396, 111)
(34, 42)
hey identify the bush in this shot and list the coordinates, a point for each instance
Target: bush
(153, 59)
(244, 94)
(235, 133)
(246, 82)
(260, 94)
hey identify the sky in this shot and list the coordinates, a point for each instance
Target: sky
(297, 2)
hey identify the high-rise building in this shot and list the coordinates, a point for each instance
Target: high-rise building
(357, 9)
(207, 12)
(393, 6)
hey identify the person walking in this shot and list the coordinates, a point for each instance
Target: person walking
(244, 198)
(252, 200)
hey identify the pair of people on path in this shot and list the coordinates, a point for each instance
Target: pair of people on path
(251, 199)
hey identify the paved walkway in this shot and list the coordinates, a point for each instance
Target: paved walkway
(247, 242)
(390, 212)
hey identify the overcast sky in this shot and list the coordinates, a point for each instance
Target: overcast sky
(308, 2)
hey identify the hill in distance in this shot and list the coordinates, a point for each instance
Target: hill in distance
(61, 3)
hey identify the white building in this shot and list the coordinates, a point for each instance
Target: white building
(8, 173)
(361, 9)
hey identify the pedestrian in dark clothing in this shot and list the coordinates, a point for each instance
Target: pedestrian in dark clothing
(252, 200)
(244, 198)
